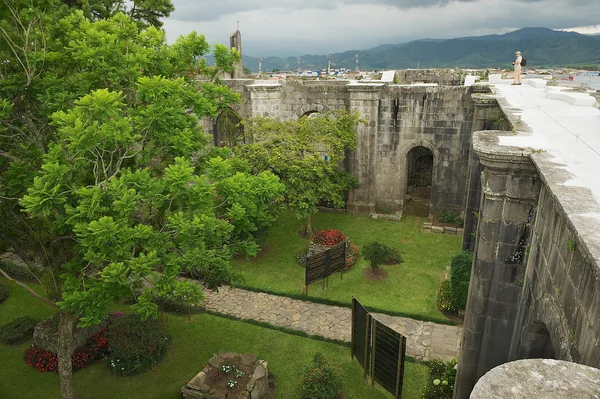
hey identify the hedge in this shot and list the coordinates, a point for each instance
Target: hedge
(460, 274)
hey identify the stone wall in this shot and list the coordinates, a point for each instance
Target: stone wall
(561, 290)
(397, 120)
(437, 118)
(535, 283)
(443, 77)
(510, 186)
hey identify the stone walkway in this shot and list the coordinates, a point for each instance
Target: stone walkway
(425, 340)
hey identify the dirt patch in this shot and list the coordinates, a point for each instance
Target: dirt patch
(379, 275)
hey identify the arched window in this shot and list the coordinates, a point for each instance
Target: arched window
(228, 129)
(536, 343)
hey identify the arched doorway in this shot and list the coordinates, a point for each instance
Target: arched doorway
(419, 181)
(229, 130)
(536, 343)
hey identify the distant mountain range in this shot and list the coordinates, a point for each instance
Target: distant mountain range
(541, 46)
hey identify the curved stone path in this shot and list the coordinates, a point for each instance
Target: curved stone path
(425, 340)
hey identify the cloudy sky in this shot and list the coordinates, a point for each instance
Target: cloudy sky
(295, 27)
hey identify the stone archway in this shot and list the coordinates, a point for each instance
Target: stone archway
(228, 130)
(309, 109)
(419, 181)
(536, 343)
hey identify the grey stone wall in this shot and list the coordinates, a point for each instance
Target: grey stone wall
(438, 118)
(510, 186)
(561, 290)
(443, 77)
(485, 108)
(398, 119)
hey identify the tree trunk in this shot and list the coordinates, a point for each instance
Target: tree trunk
(309, 230)
(65, 366)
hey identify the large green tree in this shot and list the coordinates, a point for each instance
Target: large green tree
(106, 185)
(307, 155)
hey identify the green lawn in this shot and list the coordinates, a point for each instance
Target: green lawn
(193, 344)
(408, 290)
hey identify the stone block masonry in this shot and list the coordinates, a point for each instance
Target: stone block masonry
(398, 119)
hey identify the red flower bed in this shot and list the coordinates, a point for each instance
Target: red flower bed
(83, 356)
(329, 237)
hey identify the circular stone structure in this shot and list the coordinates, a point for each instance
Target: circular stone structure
(539, 379)
(255, 383)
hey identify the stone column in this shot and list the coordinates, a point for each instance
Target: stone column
(364, 98)
(483, 107)
(510, 187)
(265, 100)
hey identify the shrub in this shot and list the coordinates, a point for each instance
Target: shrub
(441, 379)
(446, 216)
(443, 297)
(3, 293)
(460, 274)
(377, 254)
(17, 272)
(18, 331)
(329, 237)
(136, 345)
(321, 380)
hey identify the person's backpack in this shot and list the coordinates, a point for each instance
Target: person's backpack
(523, 61)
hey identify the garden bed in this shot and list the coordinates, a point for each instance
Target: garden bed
(193, 344)
(409, 289)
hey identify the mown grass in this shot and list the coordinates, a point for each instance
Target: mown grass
(408, 290)
(194, 342)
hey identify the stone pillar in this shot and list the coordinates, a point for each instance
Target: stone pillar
(265, 100)
(364, 98)
(235, 42)
(539, 379)
(483, 107)
(510, 187)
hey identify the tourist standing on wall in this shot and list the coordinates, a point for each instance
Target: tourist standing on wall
(517, 64)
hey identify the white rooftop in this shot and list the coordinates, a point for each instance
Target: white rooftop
(566, 126)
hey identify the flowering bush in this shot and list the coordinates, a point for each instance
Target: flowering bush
(443, 297)
(83, 356)
(136, 345)
(329, 237)
(321, 380)
(42, 360)
(441, 379)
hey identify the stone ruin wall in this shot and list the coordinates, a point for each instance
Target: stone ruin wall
(535, 284)
(398, 119)
(442, 76)
(437, 118)
(562, 288)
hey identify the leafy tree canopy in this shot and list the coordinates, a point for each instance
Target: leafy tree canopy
(306, 155)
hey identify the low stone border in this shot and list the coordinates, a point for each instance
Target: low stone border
(385, 216)
(428, 227)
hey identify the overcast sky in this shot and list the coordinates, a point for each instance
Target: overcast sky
(294, 27)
